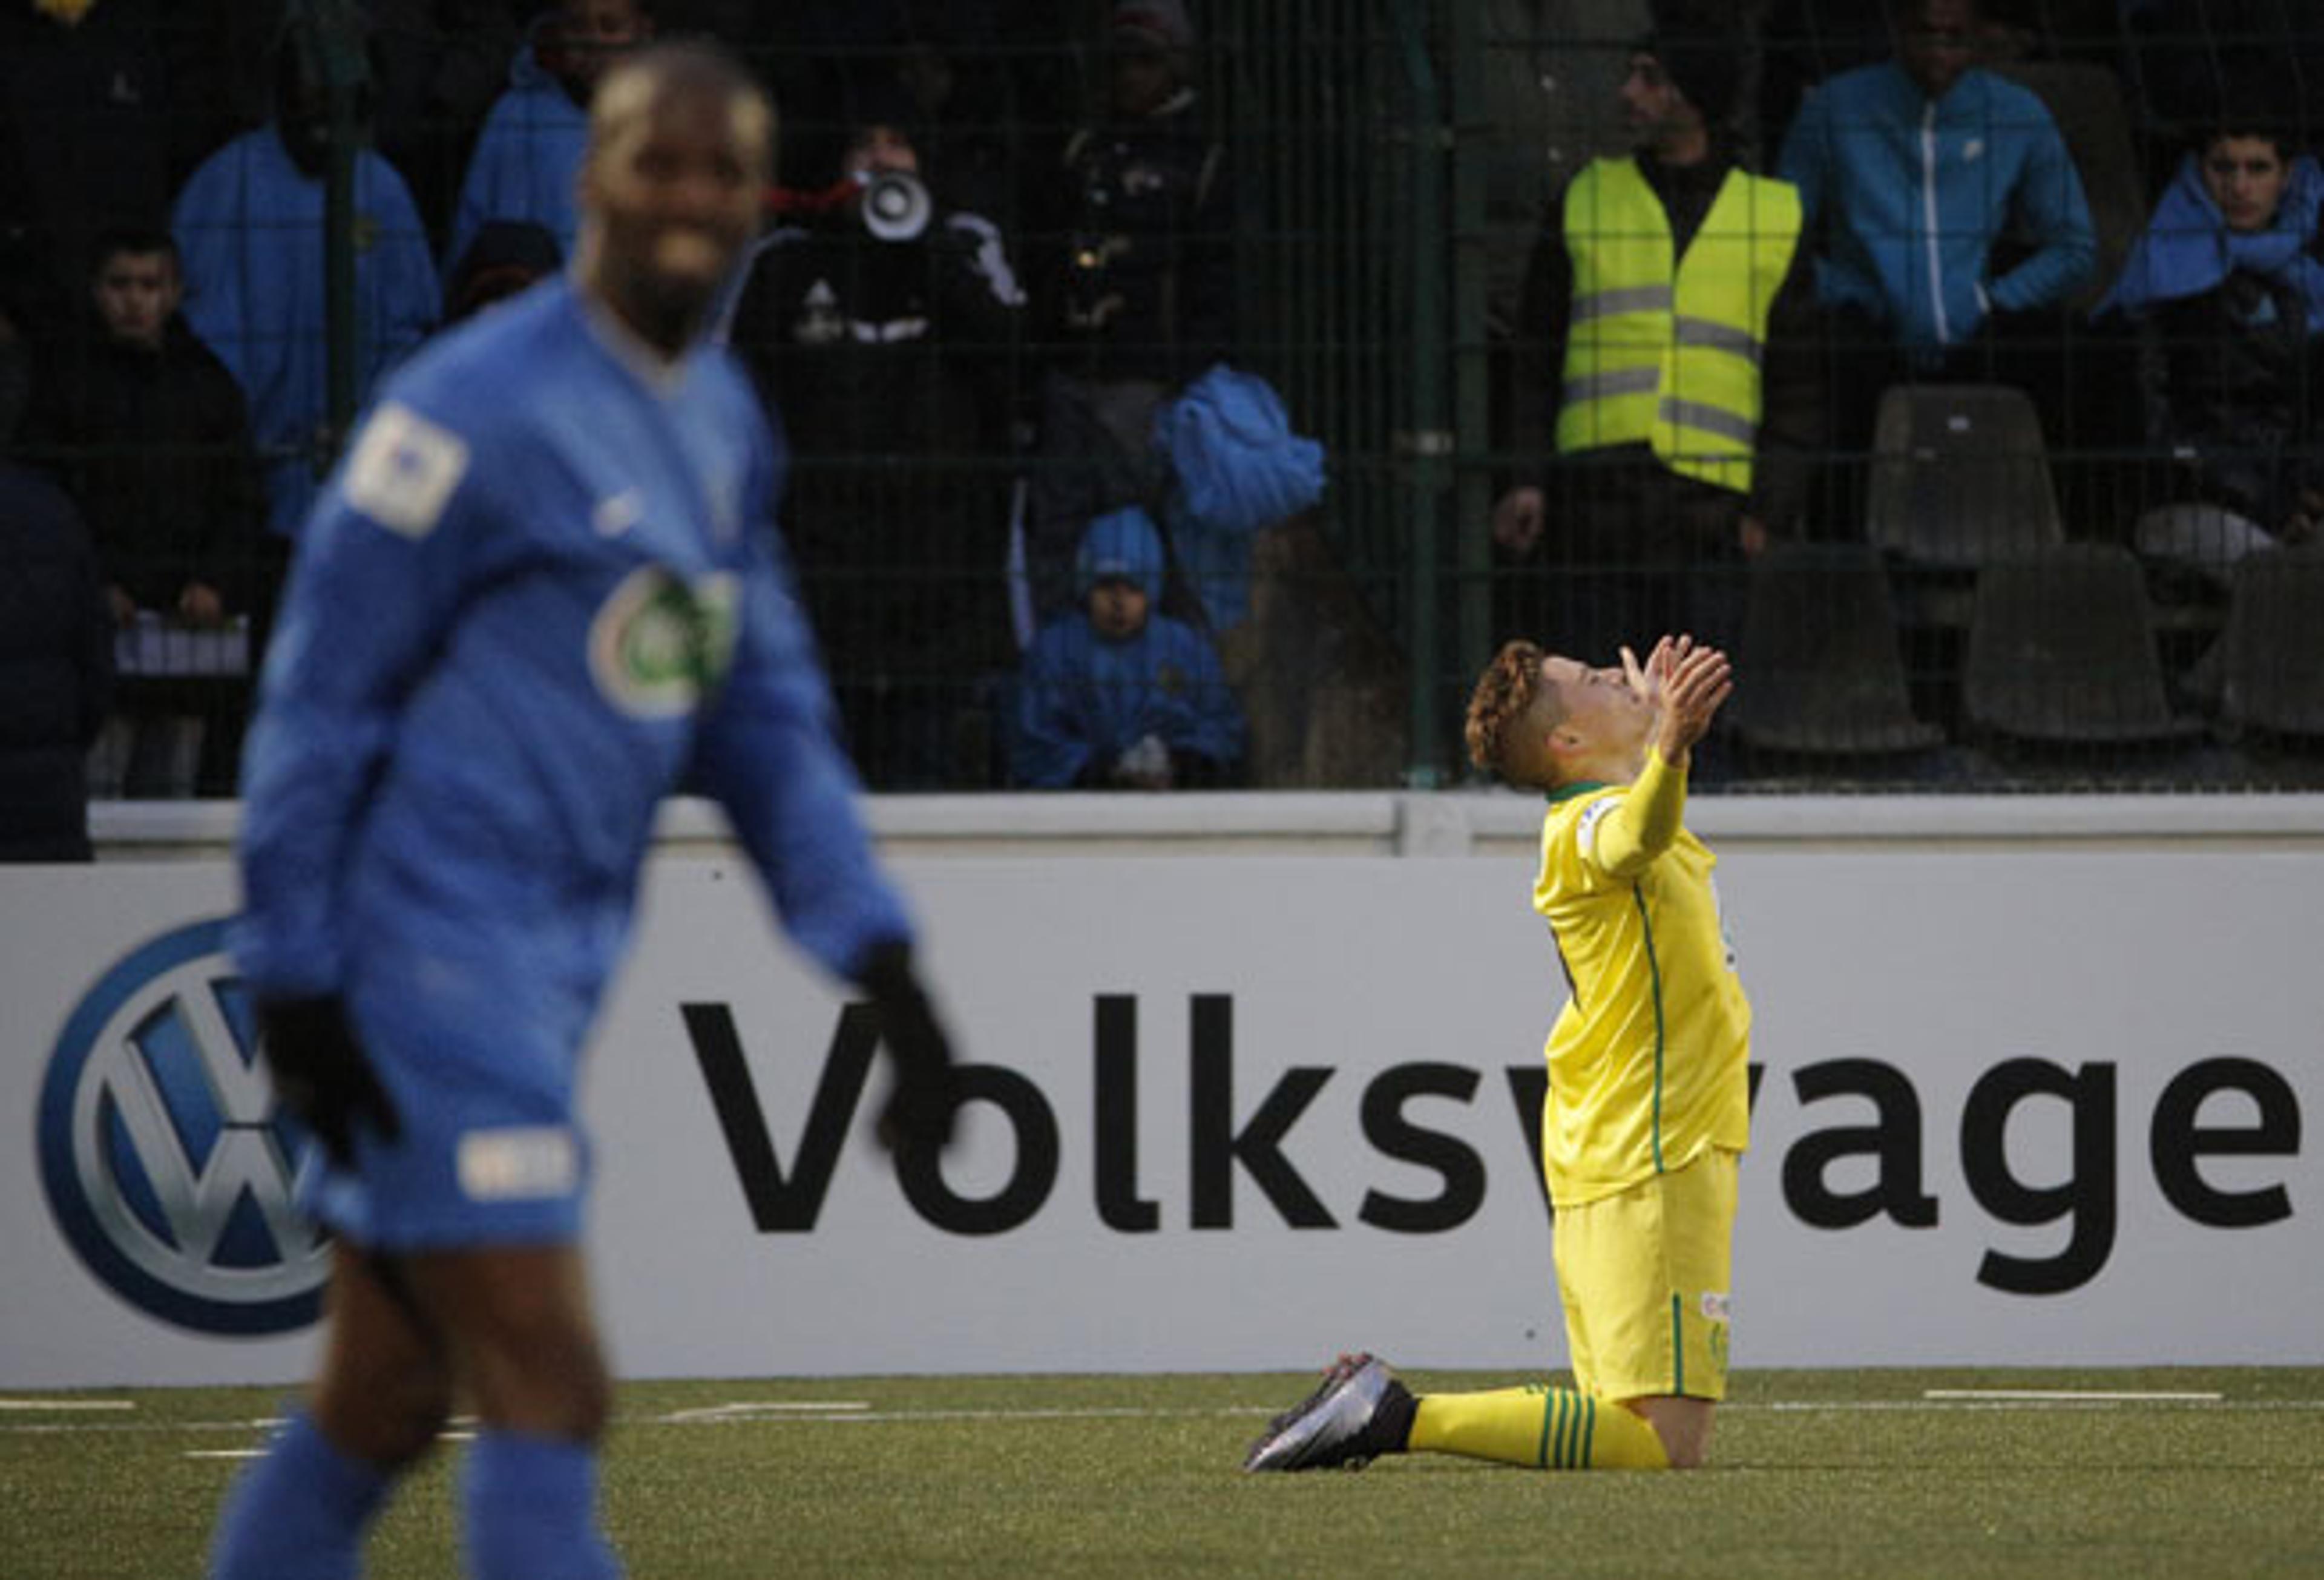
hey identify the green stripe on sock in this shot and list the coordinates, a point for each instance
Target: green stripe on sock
(1549, 1408)
(1589, 1431)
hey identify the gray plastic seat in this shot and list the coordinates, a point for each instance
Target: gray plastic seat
(1817, 670)
(1960, 476)
(2061, 649)
(2273, 673)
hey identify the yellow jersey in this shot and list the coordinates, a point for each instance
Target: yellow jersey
(1648, 1059)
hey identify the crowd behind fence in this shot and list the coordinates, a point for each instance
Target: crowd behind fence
(1196, 395)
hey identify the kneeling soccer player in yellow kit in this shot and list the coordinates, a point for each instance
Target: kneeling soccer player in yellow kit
(1648, 1103)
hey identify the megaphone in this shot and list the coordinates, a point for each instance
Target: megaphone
(896, 204)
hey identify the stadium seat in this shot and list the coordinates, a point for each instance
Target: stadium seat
(2061, 650)
(1819, 664)
(1960, 476)
(2272, 674)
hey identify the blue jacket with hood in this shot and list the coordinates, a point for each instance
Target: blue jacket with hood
(527, 162)
(1910, 195)
(1084, 699)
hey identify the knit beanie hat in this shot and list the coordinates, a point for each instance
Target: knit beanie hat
(1158, 24)
(1702, 58)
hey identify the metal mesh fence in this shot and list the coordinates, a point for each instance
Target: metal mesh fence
(2056, 544)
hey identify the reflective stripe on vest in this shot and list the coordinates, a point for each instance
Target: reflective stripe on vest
(1671, 356)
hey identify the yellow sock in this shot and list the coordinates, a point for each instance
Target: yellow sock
(1539, 1427)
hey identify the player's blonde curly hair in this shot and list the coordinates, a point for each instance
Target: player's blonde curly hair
(1511, 688)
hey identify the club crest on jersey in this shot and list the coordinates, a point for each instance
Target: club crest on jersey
(660, 645)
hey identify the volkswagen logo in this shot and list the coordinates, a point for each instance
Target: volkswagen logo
(161, 1152)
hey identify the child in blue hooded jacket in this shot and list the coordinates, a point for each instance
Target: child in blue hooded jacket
(1115, 694)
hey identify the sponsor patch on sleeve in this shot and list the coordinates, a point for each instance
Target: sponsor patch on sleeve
(525, 1162)
(405, 469)
(1585, 827)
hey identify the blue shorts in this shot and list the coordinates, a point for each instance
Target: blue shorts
(478, 1048)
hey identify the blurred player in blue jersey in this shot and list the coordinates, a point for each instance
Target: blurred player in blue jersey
(539, 594)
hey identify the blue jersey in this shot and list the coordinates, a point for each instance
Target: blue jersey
(540, 591)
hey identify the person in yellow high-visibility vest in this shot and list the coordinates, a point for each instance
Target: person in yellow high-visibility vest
(1665, 372)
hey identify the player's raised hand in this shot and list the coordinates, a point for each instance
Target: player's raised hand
(1646, 680)
(1688, 697)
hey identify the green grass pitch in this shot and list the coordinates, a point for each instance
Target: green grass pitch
(1817, 1474)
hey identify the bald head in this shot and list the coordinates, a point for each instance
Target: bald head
(680, 144)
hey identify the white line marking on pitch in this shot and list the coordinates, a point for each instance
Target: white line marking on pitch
(744, 1409)
(225, 1453)
(68, 1404)
(2069, 1395)
(841, 1412)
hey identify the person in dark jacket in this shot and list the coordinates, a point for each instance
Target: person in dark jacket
(150, 435)
(56, 646)
(880, 331)
(1135, 290)
(153, 439)
(2226, 288)
(1143, 287)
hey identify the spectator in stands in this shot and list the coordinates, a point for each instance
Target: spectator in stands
(1666, 358)
(437, 68)
(1142, 287)
(881, 330)
(56, 645)
(2226, 289)
(1921, 175)
(103, 109)
(250, 227)
(1134, 286)
(154, 446)
(1115, 695)
(528, 158)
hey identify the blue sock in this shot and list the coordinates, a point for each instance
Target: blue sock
(532, 1510)
(300, 1513)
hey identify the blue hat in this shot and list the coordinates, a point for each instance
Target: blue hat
(1125, 545)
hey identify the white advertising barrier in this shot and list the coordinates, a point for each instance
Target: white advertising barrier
(2015, 1107)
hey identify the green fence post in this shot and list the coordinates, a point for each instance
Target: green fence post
(334, 30)
(1426, 440)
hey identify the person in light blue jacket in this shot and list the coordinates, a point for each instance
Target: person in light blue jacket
(1913, 170)
(250, 229)
(529, 153)
(1114, 696)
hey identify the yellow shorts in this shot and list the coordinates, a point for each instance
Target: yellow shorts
(1644, 1277)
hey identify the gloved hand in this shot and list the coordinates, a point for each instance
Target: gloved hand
(920, 1109)
(320, 1074)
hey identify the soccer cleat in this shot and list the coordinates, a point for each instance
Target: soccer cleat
(1358, 1413)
